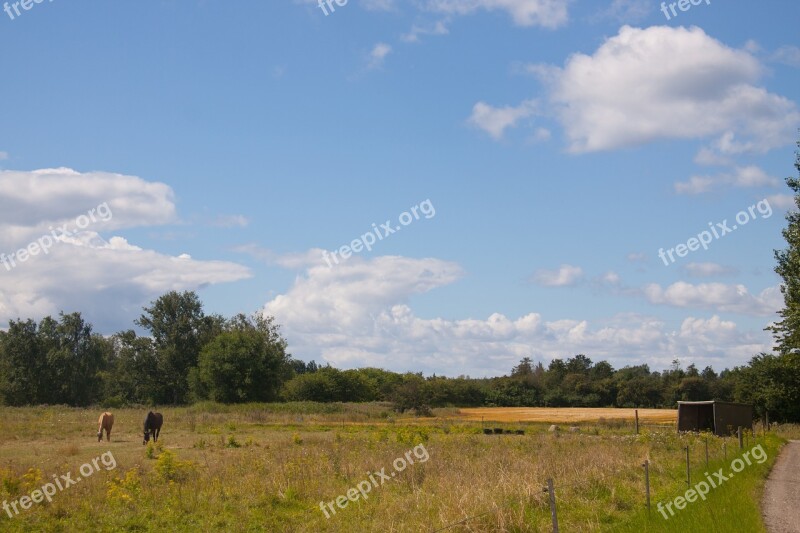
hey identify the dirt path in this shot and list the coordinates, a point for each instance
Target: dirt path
(781, 503)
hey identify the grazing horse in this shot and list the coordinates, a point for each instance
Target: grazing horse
(105, 422)
(152, 426)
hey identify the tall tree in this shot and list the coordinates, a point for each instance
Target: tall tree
(787, 330)
(179, 329)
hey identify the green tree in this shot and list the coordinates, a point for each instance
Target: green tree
(23, 364)
(787, 330)
(246, 363)
(131, 374)
(179, 329)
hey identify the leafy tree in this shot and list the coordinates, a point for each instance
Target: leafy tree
(131, 374)
(787, 330)
(246, 363)
(179, 329)
(23, 364)
(771, 383)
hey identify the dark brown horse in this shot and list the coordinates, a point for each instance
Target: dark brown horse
(152, 426)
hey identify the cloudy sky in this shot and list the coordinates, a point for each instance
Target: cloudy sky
(497, 178)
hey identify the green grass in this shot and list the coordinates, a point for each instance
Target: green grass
(266, 467)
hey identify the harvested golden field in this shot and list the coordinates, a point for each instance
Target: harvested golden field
(563, 415)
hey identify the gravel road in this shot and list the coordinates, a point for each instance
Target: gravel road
(781, 503)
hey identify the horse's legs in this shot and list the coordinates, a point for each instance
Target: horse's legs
(108, 435)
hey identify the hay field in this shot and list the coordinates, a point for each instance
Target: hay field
(564, 415)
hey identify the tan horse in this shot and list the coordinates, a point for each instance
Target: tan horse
(105, 422)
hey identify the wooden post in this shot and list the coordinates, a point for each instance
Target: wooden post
(766, 414)
(706, 452)
(636, 422)
(646, 466)
(553, 513)
(688, 476)
(741, 442)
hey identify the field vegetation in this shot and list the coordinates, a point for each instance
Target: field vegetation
(267, 467)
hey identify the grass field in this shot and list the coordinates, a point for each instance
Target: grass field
(268, 467)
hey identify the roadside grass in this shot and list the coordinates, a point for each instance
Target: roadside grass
(267, 467)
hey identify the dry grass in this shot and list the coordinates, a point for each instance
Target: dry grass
(240, 469)
(564, 415)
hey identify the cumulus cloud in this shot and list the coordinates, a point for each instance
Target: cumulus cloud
(495, 120)
(716, 296)
(109, 280)
(33, 201)
(666, 82)
(359, 314)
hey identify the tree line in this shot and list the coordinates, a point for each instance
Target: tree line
(190, 356)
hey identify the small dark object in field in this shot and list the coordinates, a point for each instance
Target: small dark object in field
(498, 431)
(487, 431)
(520, 432)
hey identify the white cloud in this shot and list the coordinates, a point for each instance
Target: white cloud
(495, 121)
(716, 296)
(707, 157)
(378, 55)
(749, 176)
(699, 270)
(413, 36)
(545, 13)
(781, 201)
(564, 276)
(308, 259)
(230, 221)
(666, 82)
(108, 280)
(788, 55)
(359, 314)
(33, 201)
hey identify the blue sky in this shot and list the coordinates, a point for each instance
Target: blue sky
(559, 144)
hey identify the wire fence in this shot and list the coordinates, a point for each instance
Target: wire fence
(551, 488)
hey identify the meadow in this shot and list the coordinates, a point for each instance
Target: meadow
(267, 467)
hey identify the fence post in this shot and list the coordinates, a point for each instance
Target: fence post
(688, 476)
(636, 413)
(646, 466)
(741, 443)
(706, 452)
(553, 513)
(766, 413)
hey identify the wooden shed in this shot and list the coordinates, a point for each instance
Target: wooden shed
(721, 418)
